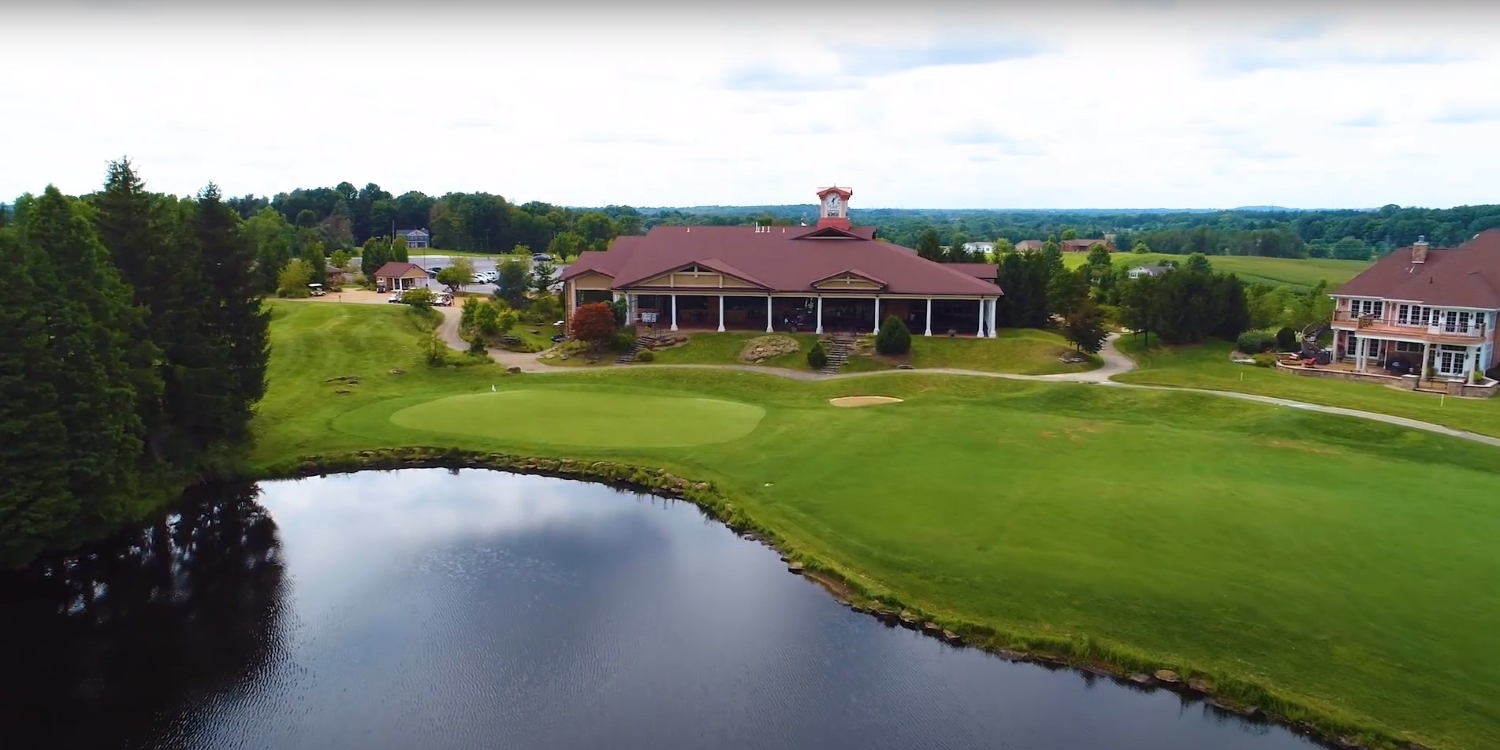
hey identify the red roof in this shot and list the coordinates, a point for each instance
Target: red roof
(1465, 276)
(783, 259)
(988, 271)
(398, 270)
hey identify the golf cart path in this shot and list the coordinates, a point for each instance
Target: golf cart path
(1115, 363)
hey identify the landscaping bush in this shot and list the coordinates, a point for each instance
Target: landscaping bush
(624, 339)
(1255, 342)
(593, 324)
(476, 346)
(894, 338)
(1288, 340)
(816, 357)
(1264, 360)
(419, 298)
(644, 355)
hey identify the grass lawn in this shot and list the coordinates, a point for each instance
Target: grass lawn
(1346, 564)
(725, 348)
(1024, 351)
(1207, 365)
(1300, 273)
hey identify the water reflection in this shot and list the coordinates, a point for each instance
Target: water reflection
(474, 610)
(104, 646)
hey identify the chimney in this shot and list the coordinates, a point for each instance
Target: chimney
(1419, 250)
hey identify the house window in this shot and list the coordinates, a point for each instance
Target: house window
(1413, 315)
(1408, 347)
(1451, 360)
(1371, 307)
(1374, 348)
(1455, 321)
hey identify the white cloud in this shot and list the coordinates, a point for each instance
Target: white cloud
(1124, 104)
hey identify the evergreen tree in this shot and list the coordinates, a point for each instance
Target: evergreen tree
(89, 323)
(36, 505)
(543, 276)
(234, 315)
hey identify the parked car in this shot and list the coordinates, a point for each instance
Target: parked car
(480, 278)
(541, 258)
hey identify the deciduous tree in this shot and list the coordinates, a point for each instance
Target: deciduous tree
(593, 323)
(513, 282)
(1084, 329)
(294, 278)
(458, 274)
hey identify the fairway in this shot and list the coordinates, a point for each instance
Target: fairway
(1298, 273)
(585, 418)
(1345, 565)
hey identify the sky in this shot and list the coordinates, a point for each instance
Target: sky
(932, 104)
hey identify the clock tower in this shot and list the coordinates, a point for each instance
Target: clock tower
(833, 207)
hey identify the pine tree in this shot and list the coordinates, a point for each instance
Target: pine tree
(89, 324)
(35, 503)
(234, 315)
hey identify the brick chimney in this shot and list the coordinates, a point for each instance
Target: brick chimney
(1419, 250)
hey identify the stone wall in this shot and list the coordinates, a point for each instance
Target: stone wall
(1356, 377)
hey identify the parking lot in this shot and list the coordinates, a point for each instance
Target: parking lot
(433, 263)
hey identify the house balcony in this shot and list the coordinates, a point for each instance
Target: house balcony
(1367, 325)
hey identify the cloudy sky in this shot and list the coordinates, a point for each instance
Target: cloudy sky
(1129, 103)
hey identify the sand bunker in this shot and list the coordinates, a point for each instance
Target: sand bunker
(863, 400)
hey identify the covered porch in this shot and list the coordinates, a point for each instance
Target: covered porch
(820, 313)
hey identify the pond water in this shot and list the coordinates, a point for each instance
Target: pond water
(435, 609)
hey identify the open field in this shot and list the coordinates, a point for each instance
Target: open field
(1344, 564)
(1300, 273)
(1208, 366)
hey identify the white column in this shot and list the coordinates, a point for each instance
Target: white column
(928, 332)
(768, 313)
(1361, 347)
(994, 303)
(1469, 357)
(1426, 359)
(877, 315)
(674, 312)
(819, 330)
(721, 313)
(981, 318)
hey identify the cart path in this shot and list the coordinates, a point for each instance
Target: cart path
(1115, 363)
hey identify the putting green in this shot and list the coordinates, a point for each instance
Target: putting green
(585, 418)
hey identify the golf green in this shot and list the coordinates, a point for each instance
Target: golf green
(565, 417)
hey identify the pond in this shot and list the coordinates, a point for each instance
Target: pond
(475, 609)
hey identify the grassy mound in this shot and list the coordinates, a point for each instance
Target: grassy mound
(578, 418)
(1343, 565)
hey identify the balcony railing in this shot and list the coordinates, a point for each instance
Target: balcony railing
(1439, 327)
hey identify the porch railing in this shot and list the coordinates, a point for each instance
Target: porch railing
(1441, 327)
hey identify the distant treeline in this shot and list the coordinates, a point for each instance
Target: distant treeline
(134, 352)
(1336, 233)
(347, 216)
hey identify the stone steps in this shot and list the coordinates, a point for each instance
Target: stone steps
(644, 342)
(838, 348)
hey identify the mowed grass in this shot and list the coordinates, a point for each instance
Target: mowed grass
(1300, 273)
(1345, 564)
(591, 418)
(1022, 351)
(1208, 366)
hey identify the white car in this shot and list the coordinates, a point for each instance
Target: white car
(480, 278)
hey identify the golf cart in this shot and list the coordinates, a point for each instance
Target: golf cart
(317, 290)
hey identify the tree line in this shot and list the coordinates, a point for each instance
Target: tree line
(135, 352)
(343, 217)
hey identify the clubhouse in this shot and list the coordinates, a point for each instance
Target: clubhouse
(832, 277)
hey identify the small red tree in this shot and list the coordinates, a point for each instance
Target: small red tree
(594, 323)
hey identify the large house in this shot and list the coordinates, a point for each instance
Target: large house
(416, 237)
(1432, 309)
(830, 277)
(1067, 246)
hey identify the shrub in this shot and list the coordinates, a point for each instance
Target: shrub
(623, 341)
(644, 355)
(894, 338)
(476, 346)
(1288, 340)
(593, 323)
(1255, 342)
(420, 298)
(816, 357)
(1264, 360)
